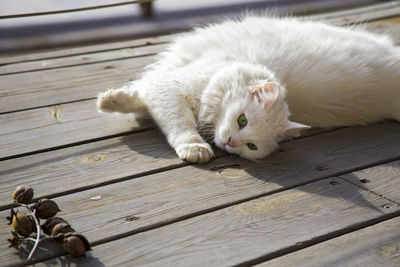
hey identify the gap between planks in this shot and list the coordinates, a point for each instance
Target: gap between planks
(343, 18)
(105, 78)
(60, 126)
(366, 217)
(83, 50)
(174, 164)
(114, 59)
(286, 178)
(318, 240)
(354, 249)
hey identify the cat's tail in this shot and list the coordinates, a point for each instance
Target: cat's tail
(122, 100)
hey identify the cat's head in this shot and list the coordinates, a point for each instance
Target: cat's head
(254, 116)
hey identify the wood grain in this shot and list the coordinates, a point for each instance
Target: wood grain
(386, 26)
(58, 125)
(372, 179)
(36, 89)
(130, 53)
(359, 15)
(96, 163)
(81, 50)
(91, 164)
(250, 230)
(87, 165)
(161, 211)
(153, 200)
(54, 86)
(377, 245)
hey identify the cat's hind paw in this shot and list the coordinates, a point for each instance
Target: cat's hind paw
(195, 153)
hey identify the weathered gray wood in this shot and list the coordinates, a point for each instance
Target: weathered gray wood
(250, 230)
(94, 57)
(59, 125)
(372, 179)
(387, 26)
(81, 50)
(151, 200)
(35, 89)
(377, 245)
(87, 165)
(372, 12)
(29, 90)
(363, 14)
(90, 164)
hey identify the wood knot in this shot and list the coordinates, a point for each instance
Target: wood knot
(96, 158)
(55, 112)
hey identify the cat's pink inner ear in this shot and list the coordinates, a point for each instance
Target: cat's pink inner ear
(267, 94)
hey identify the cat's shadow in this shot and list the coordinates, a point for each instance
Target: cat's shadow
(286, 170)
(291, 167)
(150, 143)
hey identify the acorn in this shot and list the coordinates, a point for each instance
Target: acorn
(23, 224)
(75, 244)
(45, 208)
(23, 195)
(49, 224)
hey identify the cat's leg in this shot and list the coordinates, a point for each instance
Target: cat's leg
(122, 100)
(176, 120)
(171, 102)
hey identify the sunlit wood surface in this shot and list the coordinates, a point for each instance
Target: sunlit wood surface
(328, 198)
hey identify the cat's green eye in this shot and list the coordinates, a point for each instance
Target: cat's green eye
(252, 146)
(242, 120)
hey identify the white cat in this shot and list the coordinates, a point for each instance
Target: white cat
(236, 82)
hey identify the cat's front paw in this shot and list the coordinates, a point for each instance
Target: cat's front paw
(195, 153)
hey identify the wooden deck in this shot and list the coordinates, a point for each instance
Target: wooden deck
(329, 198)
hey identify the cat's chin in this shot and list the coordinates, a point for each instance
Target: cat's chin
(218, 142)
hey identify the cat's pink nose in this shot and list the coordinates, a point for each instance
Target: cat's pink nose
(231, 143)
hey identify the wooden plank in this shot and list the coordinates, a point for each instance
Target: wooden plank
(363, 14)
(132, 155)
(81, 50)
(59, 125)
(372, 179)
(36, 89)
(387, 26)
(250, 231)
(44, 64)
(92, 164)
(377, 245)
(390, 27)
(156, 199)
(372, 12)
(87, 165)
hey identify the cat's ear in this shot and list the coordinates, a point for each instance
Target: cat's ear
(293, 129)
(267, 94)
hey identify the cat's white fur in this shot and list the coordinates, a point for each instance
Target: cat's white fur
(262, 67)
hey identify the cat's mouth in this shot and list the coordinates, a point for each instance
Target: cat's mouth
(224, 146)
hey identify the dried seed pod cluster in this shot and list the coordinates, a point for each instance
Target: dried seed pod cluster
(56, 228)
